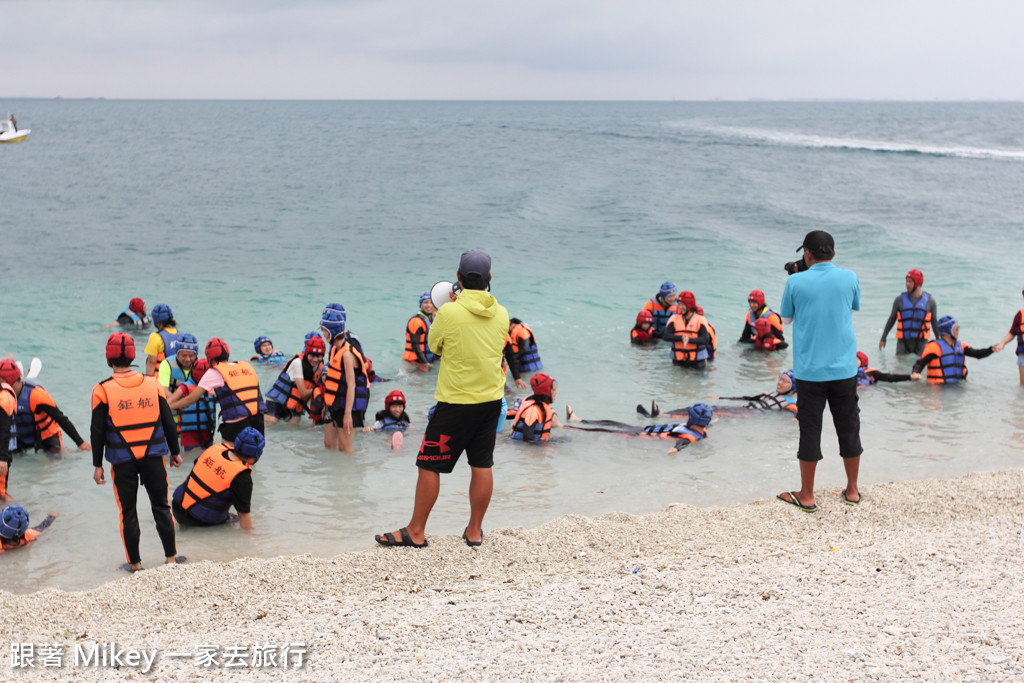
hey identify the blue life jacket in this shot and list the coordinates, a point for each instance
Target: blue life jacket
(951, 362)
(24, 420)
(169, 338)
(912, 317)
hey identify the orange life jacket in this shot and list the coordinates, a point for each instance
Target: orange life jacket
(206, 494)
(531, 412)
(334, 382)
(948, 366)
(689, 351)
(134, 429)
(240, 397)
(418, 326)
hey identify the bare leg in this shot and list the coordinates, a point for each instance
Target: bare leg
(1021, 371)
(481, 484)
(330, 436)
(852, 466)
(805, 496)
(428, 486)
(345, 439)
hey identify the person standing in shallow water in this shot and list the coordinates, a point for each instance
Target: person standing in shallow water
(469, 334)
(914, 313)
(819, 302)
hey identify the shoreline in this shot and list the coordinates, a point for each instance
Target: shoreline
(923, 580)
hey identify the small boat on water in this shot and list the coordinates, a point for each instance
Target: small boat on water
(9, 131)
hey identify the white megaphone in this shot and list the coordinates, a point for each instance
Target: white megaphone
(443, 292)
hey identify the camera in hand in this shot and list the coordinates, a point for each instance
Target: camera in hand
(795, 266)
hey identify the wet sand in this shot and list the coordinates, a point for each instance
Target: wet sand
(922, 580)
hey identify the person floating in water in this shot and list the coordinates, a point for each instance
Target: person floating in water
(265, 351)
(698, 419)
(867, 376)
(14, 529)
(643, 331)
(133, 317)
(944, 357)
(783, 398)
(393, 418)
(534, 419)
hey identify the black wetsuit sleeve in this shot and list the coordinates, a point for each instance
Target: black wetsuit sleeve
(923, 361)
(241, 492)
(45, 523)
(880, 376)
(934, 309)
(741, 398)
(703, 337)
(258, 423)
(5, 430)
(748, 334)
(169, 425)
(61, 419)
(681, 444)
(513, 361)
(419, 345)
(892, 318)
(781, 345)
(978, 353)
(98, 433)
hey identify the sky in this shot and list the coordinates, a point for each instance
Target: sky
(513, 49)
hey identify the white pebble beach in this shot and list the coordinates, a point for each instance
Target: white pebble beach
(922, 580)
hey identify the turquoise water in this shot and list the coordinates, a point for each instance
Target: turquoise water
(247, 217)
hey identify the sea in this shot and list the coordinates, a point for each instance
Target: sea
(247, 217)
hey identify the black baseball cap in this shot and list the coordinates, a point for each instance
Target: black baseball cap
(819, 243)
(475, 262)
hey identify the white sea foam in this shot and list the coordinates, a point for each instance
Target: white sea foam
(792, 139)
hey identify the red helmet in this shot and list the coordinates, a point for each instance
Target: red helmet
(644, 316)
(120, 347)
(687, 299)
(916, 276)
(395, 396)
(137, 305)
(762, 327)
(862, 359)
(757, 296)
(215, 348)
(9, 371)
(199, 369)
(541, 383)
(315, 345)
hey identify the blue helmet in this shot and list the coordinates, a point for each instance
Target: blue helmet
(334, 307)
(700, 415)
(161, 313)
(946, 325)
(249, 443)
(424, 298)
(667, 291)
(259, 342)
(310, 335)
(13, 521)
(792, 380)
(334, 322)
(185, 342)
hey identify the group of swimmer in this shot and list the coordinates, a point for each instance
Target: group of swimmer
(680, 320)
(172, 407)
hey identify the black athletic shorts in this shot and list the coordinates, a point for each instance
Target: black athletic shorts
(457, 427)
(358, 417)
(229, 430)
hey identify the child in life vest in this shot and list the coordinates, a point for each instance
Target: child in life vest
(765, 339)
(643, 331)
(393, 418)
(265, 351)
(14, 530)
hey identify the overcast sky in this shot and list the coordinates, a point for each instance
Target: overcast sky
(513, 49)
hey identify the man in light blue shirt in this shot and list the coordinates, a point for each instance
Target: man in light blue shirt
(820, 302)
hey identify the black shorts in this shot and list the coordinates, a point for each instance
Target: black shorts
(841, 397)
(229, 430)
(358, 416)
(457, 427)
(279, 411)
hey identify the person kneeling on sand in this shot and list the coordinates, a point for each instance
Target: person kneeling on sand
(221, 477)
(698, 419)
